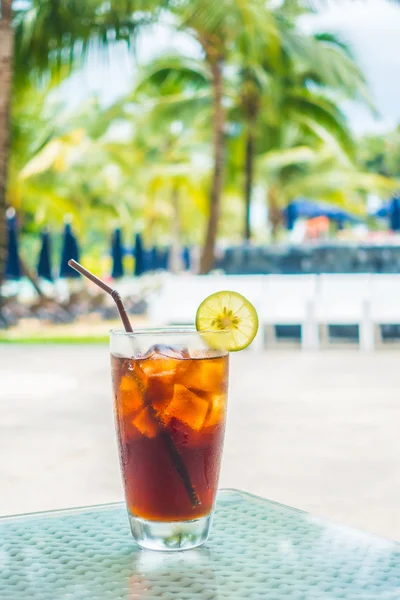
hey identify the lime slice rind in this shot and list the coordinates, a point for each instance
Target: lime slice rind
(210, 315)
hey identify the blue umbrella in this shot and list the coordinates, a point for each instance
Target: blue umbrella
(383, 212)
(148, 258)
(13, 265)
(390, 210)
(186, 258)
(139, 254)
(395, 215)
(291, 216)
(70, 250)
(117, 254)
(339, 215)
(159, 258)
(301, 208)
(309, 210)
(44, 263)
(164, 258)
(153, 259)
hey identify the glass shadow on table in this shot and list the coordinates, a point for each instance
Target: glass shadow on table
(176, 575)
(257, 550)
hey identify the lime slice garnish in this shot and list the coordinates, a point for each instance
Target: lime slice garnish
(231, 313)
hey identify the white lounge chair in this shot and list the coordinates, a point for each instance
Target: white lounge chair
(288, 300)
(385, 302)
(344, 300)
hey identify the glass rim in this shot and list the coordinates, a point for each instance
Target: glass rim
(169, 329)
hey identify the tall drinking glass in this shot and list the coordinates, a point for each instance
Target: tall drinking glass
(170, 391)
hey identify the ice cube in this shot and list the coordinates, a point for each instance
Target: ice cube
(145, 423)
(198, 353)
(166, 351)
(130, 396)
(216, 413)
(159, 366)
(162, 373)
(159, 393)
(179, 351)
(207, 375)
(134, 370)
(187, 407)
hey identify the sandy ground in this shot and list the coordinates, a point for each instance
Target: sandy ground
(317, 431)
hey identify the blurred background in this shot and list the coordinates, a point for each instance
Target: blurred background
(180, 147)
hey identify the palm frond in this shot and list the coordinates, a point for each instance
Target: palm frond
(249, 25)
(323, 118)
(328, 61)
(54, 36)
(322, 181)
(279, 159)
(336, 41)
(173, 72)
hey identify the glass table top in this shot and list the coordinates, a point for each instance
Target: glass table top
(257, 550)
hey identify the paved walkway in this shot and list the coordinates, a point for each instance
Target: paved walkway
(316, 431)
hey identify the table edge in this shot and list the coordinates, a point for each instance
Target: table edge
(72, 509)
(249, 495)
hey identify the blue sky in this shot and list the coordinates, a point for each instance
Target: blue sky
(371, 27)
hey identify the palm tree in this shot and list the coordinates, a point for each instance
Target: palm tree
(293, 89)
(52, 38)
(6, 51)
(218, 27)
(274, 81)
(248, 37)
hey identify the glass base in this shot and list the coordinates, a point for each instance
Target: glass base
(170, 536)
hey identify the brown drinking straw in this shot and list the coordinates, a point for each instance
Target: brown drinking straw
(172, 449)
(113, 293)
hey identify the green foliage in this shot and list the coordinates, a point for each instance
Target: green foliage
(53, 36)
(281, 87)
(381, 154)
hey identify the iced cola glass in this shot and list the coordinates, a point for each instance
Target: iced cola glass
(170, 391)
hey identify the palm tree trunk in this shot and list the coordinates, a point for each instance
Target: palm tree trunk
(274, 213)
(6, 64)
(207, 258)
(248, 182)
